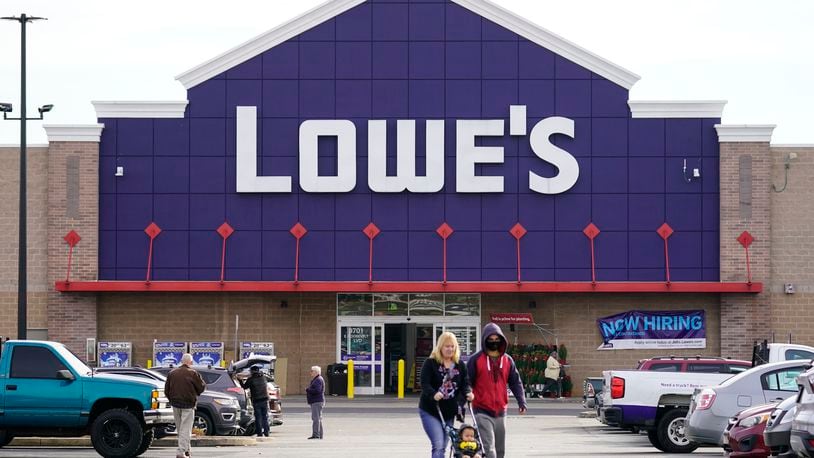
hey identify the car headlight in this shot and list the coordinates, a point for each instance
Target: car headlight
(789, 416)
(754, 420)
(227, 402)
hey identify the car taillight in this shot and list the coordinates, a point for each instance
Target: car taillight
(705, 399)
(617, 388)
(235, 389)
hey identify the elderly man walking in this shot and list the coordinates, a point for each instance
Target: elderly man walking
(183, 386)
(315, 396)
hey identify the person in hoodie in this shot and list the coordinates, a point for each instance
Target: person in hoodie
(491, 371)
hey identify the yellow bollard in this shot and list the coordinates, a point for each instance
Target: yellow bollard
(401, 379)
(149, 363)
(350, 379)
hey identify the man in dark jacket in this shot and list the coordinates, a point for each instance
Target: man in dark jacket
(257, 385)
(315, 396)
(183, 386)
(491, 370)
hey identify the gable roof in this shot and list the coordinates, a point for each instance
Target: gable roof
(483, 8)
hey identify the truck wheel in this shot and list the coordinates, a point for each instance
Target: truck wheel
(146, 442)
(672, 434)
(116, 433)
(5, 438)
(653, 437)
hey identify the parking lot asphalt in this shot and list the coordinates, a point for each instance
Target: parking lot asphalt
(387, 427)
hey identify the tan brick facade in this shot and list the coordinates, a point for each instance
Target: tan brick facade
(72, 317)
(745, 170)
(792, 219)
(37, 236)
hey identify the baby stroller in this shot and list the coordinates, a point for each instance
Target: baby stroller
(453, 433)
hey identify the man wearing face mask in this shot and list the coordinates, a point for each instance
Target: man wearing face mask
(491, 370)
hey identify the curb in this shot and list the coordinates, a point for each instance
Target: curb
(587, 414)
(84, 441)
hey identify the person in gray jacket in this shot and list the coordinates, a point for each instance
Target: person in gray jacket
(315, 396)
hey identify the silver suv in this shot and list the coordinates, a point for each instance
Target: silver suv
(802, 427)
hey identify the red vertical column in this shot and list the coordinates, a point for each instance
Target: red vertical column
(746, 241)
(665, 231)
(72, 238)
(225, 230)
(518, 231)
(591, 231)
(152, 231)
(298, 231)
(371, 231)
(445, 230)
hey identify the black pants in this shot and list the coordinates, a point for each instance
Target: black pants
(261, 417)
(549, 382)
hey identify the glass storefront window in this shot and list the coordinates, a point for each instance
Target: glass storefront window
(426, 304)
(390, 304)
(462, 305)
(355, 304)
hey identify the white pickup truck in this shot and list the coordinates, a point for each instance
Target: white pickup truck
(658, 401)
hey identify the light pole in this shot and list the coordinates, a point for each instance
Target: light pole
(5, 108)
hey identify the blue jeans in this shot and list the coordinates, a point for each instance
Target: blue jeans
(261, 417)
(435, 431)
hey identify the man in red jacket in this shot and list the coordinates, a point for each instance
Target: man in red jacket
(491, 370)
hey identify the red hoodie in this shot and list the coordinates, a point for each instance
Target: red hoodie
(490, 378)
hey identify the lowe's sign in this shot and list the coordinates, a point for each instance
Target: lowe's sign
(651, 330)
(468, 155)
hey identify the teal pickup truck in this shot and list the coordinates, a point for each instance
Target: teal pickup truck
(47, 391)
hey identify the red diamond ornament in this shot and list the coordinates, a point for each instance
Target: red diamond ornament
(444, 230)
(591, 231)
(153, 230)
(665, 231)
(746, 239)
(225, 230)
(298, 231)
(371, 231)
(72, 238)
(518, 231)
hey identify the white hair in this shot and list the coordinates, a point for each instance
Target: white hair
(317, 369)
(187, 359)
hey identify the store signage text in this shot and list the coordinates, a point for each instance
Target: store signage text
(467, 155)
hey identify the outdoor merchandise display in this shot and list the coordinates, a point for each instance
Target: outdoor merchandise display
(168, 354)
(206, 353)
(531, 363)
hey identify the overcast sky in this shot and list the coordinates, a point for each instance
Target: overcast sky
(754, 53)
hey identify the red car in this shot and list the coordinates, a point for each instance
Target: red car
(744, 433)
(702, 364)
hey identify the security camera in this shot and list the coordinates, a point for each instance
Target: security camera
(46, 108)
(5, 107)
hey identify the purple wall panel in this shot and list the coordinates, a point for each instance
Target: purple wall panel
(428, 59)
(171, 137)
(172, 210)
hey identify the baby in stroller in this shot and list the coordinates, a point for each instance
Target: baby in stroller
(467, 444)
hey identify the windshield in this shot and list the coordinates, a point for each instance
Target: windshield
(72, 360)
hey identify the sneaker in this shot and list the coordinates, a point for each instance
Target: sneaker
(313, 437)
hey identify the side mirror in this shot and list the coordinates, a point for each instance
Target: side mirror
(65, 375)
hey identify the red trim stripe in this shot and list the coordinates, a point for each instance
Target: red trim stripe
(412, 287)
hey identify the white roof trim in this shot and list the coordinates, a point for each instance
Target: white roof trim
(551, 41)
(30, 145)
(332, 8)
(677, 108)
(792, 145)
(73, 132)
(264, 42)
(113, 109)
(744, 133)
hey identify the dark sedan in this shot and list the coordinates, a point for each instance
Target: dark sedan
(216, 413)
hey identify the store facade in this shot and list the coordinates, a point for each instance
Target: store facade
(356, 181)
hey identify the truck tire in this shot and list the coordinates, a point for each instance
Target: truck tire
(5, 438)
(653, 437)
(671, 433)
(116, 433)
(146, 442)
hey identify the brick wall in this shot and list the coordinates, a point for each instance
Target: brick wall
(745, 206)
(792, 219)
(9, 238)
(72, 317)
(304, 331)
